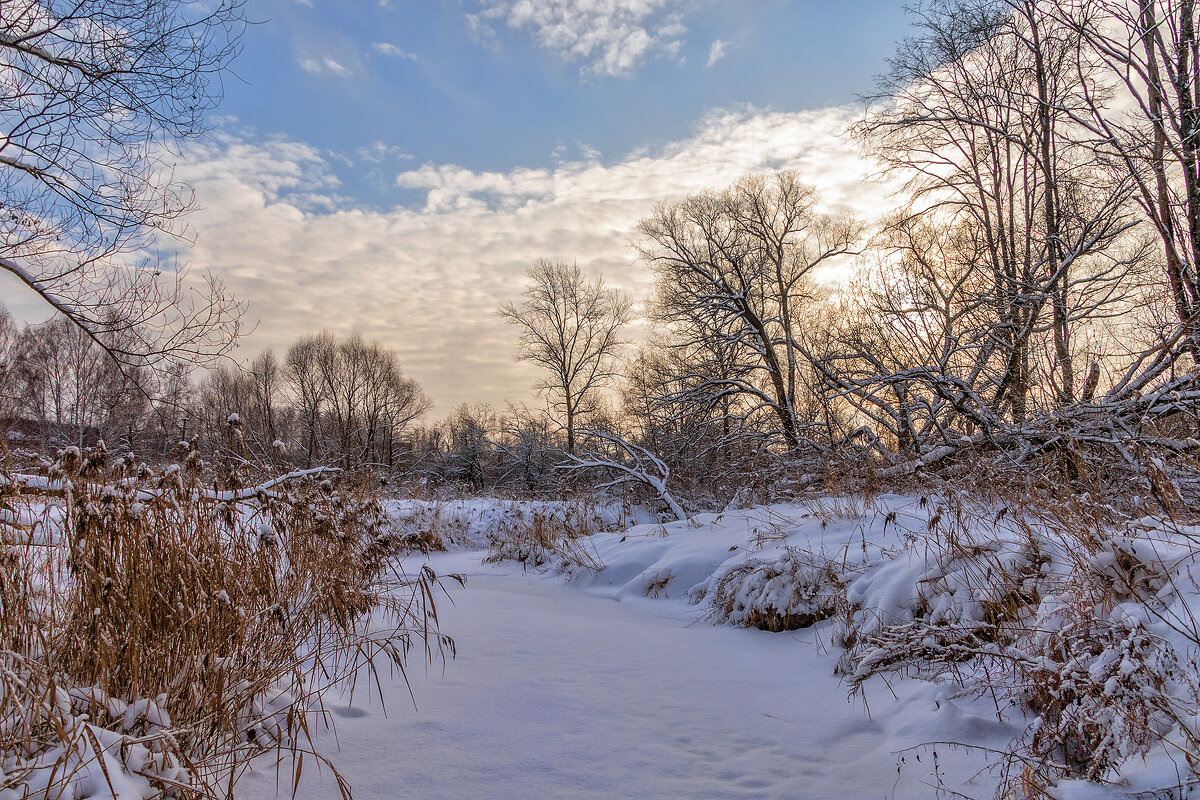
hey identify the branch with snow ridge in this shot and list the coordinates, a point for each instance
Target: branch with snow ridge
(635, 464)
(40, 484)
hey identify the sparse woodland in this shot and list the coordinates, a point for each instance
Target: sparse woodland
(1017, 344)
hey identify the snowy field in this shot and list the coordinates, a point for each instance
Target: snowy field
(918, 634)
(617, 684)
(564, 693)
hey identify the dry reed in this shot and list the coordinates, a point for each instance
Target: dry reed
(166, 634)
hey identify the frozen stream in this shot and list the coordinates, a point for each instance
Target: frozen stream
(563, 692)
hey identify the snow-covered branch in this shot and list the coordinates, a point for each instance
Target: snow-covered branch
(630, 462)
(40, 484)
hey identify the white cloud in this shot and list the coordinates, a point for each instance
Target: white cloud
(427, 280)
(378, 152)
(324, 66)
(393, 51)
(610, 37)
(450, 187)
(716, 52)
(341, 158)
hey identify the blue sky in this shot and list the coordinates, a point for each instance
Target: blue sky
(472, 83)
(393, 166)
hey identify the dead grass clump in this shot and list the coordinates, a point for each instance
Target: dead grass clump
(768, 528)
(835, 507)
(976, 576)
(1059, 606)
(557, 542)
(431, 525)
(795, 591)
(178, 632)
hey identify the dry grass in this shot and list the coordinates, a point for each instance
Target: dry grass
(554, 541)
(795, 591)
(837, 507)
(172, 637)
(657, 582)
(1017, 605)
(428, 527)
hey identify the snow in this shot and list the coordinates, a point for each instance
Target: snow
(593, 689)
(561, 693)
(619, 682)
(466, 523)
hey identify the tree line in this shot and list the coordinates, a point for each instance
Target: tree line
(1035, 294)
(342, 402)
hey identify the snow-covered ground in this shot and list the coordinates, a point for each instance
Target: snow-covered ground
(593, 689)
(560, 693)
(466, 523)
(623, 682)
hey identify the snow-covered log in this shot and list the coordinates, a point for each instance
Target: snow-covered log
(42, 485)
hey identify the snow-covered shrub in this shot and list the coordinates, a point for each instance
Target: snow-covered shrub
(1070, 618)
(793, 591)
(1099, 689)
(1102, 688)
(969, 592)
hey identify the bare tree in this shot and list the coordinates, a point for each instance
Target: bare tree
(1020, 243)
(351, 399)
(527, 451)
(1142, 112)
(266, 376)
(308, 390)
(174, 394)
(570, 327)
(93, 93)
(609, 452)
(700, 434)
(9, 337)
(734, 273)
(58, 368)
(469, 452)
(980, 113)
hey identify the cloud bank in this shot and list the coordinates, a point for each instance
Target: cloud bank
(426, 280)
